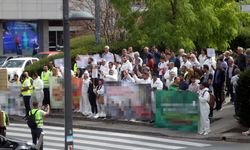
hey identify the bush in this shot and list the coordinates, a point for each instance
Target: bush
(243, 98)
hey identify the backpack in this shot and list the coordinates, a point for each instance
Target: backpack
(31, 120)
(211, 101)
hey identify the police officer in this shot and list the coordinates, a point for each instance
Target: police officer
(4, 122)
(46, 74)
(26, 92)
(36, 132)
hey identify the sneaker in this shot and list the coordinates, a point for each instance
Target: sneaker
(97, 116)
(205, 133)
(90, 115)
(201, 132)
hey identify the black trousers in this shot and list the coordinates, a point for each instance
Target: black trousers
(35, 136)
(26, 100)
(219, 95)
(3, 131)
(230, 90)
(46, 99)
(92, 101)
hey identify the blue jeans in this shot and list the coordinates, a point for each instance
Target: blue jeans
(35, 136)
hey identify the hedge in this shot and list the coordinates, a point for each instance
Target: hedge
(242, 102)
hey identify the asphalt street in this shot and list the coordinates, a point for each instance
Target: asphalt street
(103, 140)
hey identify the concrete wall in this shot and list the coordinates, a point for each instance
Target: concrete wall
(30, 9)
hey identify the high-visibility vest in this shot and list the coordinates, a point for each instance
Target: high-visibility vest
(4, 119)
(29, 91)
(45, 78)
(75, 68)
(38, 117)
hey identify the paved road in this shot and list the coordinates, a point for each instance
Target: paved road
(100, 140)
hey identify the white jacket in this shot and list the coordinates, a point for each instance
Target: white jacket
(142, 81)
(38, 84)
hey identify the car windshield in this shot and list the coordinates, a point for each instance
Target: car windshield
(13, 64)
(41, 56)
(2, 59)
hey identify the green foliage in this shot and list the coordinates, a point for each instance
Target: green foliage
(80, 46)
(243, 98)
(181, 23)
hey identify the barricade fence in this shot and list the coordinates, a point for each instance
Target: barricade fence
(177, 110)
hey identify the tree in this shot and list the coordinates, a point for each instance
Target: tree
(180, 23)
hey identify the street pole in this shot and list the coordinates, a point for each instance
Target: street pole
(97, 21)
(67, 78)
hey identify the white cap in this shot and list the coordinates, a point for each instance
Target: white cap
(86, 73)
(106, 47)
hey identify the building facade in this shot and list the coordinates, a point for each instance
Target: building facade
(25, 24)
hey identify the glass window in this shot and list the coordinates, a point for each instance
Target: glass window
(13, 64)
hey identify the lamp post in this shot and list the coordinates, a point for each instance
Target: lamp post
(97, 21)
(67, 78)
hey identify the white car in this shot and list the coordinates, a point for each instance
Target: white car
(17, 65)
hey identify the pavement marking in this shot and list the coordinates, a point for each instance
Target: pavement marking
(103, 138)
(195, 144)
(97, 143)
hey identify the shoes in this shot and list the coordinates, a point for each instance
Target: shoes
(246, 133)
(202, 132)
(205, 133)
(97, 116)
(91, 116)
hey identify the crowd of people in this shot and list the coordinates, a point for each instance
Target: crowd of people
(212, 78)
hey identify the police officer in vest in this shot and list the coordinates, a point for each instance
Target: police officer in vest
(36, 132)
(46, 74)
(26, 92)
(4, 122)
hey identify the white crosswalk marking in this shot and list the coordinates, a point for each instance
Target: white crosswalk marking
(100, 140)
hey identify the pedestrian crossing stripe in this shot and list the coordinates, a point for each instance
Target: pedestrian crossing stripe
(103, 139)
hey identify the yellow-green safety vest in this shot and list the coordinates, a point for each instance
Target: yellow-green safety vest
(29, 91)
(45, 78)
(38, 117)
(75, 68)
(4, 119)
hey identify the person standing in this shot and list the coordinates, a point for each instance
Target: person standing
(85, 107)
(218, 85)
(36, 132)
(45, 75)
(99, 91)
(26, 92)
(204, 98)
(4, 122)
(38, 88)
(241, 59)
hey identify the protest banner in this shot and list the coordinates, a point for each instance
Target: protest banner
(59, 62)
(3, 79)
(211, 52)
(11, 101)
(128, 101)
(82, 61)
(57, 92)
(177, 110)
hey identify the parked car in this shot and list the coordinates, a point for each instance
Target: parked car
(41, 55)
(4, 59)
(17, 65)
(14, 144)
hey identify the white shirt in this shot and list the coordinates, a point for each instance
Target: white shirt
(85, 85)
(109, 57)
(187, 64)
(210, 62)
(142, 81)
(162, 66)
(127, 66)
(202, 59)
(109, 77)
(167, 73)
(157, 84)
(195, 63)
(104, 69)
(38, 84)
(169, 82)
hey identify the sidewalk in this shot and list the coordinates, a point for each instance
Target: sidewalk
(224, 126)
